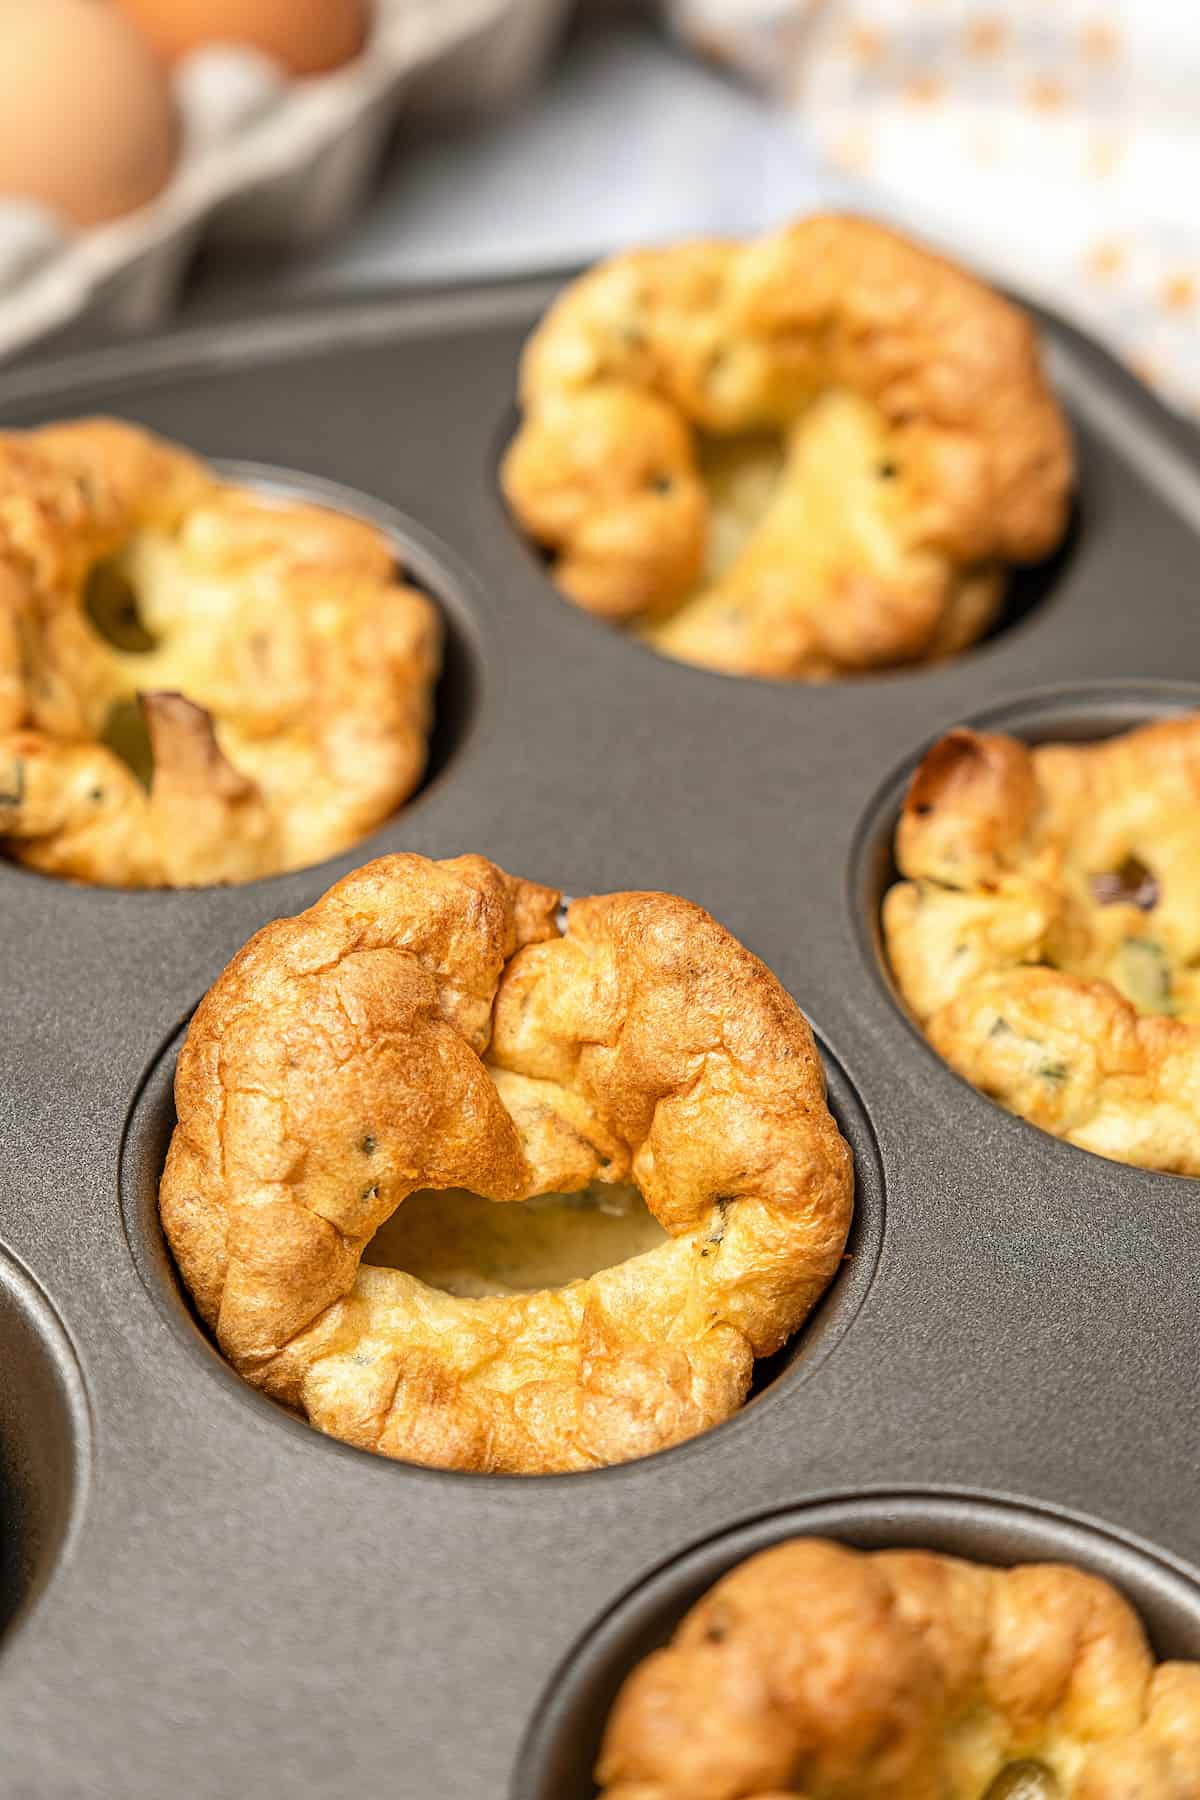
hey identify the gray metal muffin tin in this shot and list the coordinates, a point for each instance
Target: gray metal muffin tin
(206, 1598)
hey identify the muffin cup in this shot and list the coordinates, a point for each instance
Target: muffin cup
(1022, 1322)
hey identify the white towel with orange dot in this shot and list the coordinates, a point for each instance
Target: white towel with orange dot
(1055, 143)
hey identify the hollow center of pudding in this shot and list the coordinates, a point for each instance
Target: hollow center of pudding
(742, 477)
(164, 618)
(163, 623)
(121, 612)
(471, 1247)
(798, 508)
(112, 606)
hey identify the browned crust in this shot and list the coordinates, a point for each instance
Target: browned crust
(1014, 946)
(821, 1671)
(649, 348)
(424, 1025)
(287, 718)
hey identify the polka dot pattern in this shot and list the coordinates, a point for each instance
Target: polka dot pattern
(1056, 143)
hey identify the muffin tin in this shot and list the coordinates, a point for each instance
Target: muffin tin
(202, 1595)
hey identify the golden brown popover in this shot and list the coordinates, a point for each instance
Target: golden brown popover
(807, 456)
(1046, 934)
(817, 1671)
(425, 1026)
(197, 683)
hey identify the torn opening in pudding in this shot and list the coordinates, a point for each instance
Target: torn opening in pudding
(154, 619)
(807, 549)
(742, 475)
(111, 606)
(470, 1247)
(174, 617)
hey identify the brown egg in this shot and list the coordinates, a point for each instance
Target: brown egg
(306, 36)
(86, 120)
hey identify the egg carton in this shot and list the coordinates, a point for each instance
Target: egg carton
(266, 161)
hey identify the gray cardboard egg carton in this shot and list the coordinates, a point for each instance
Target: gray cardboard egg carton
(204, 1597)
(265, 162)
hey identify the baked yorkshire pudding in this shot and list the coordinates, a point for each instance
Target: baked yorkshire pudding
(424, 1026)
(1047, 932)
(808, 456)
(899, 1675)
(197, 684)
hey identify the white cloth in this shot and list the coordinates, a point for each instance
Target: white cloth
(1056, 143)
